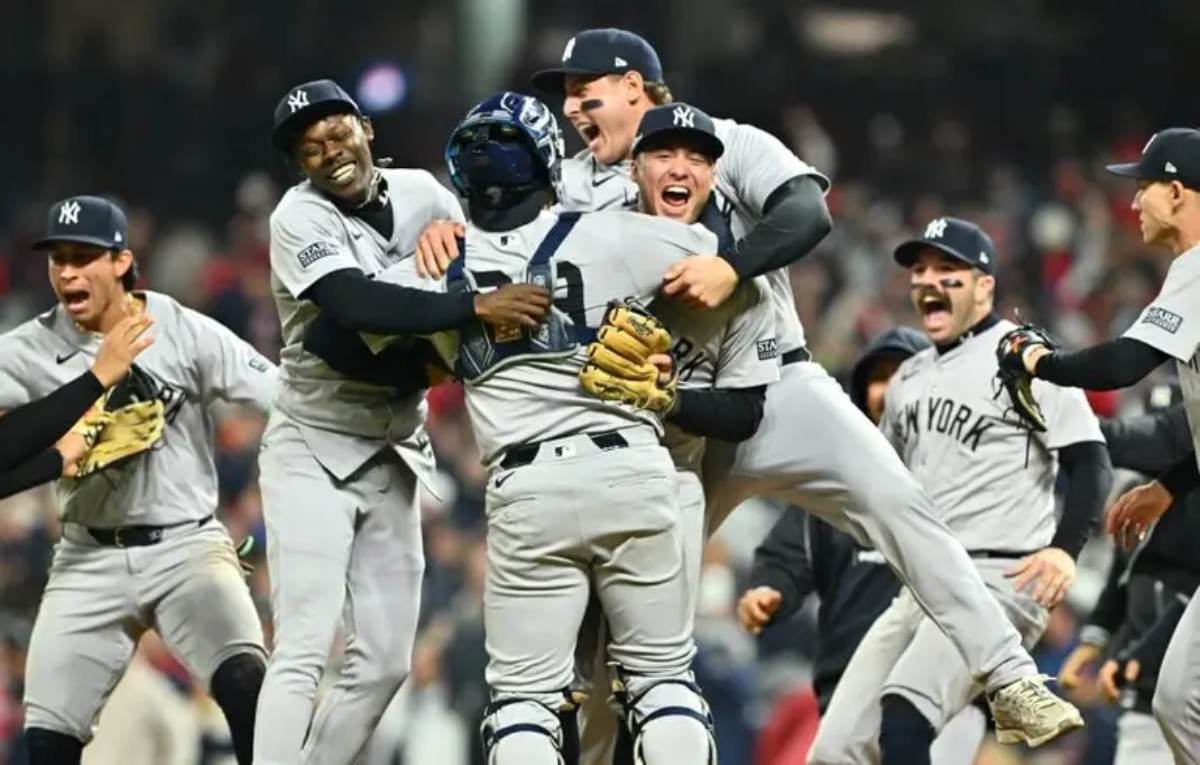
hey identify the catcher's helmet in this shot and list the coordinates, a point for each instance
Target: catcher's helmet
(506, 145)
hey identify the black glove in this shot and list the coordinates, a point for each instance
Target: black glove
(1013, 376)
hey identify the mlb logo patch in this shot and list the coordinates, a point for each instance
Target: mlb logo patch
(314, 252)
(1163, 319)
(767, 349)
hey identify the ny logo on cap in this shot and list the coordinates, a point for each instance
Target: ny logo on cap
(684, 117)
(297, 101)
(936, 229)
(69, 213)
(567, 51)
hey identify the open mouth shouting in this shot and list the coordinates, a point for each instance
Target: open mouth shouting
(674, 199)
(76, 300)
(935, 310)
(344, 173)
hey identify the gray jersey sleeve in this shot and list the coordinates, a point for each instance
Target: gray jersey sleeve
(1170, 323)
(443, 204)
(749, 353)
(645, 246)
(307, 242)
(755, 163)
(17, 369)
(1069, 417)
(230, 369)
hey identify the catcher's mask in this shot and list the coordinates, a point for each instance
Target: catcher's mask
(504, 148)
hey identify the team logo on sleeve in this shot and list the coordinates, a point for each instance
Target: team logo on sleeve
(1163, 319)
(768, 349)
(314, 252)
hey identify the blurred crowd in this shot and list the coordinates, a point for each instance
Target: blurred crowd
(1071, 259)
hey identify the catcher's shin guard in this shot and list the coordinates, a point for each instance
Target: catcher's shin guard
(546, 720)
(667, 718)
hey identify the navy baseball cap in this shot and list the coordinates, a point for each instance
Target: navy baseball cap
(594, 52)
(661, 123)
(1170, 155)
(305, 104)
(955, 237)
(86, 220)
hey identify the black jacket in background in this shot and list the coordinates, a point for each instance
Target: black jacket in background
(1146, 591)
(803, 555)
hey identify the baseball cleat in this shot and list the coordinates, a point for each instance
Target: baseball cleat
(1026, 710)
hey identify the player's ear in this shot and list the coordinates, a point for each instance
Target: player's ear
(368, 128)
(122, 261)
(634, 86)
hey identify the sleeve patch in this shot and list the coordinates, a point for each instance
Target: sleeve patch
(314, 252)
(259, 364)
(1163, 319)
(767, 349)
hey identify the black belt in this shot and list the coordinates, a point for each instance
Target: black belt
(138, 536)
(523, 454)
(1005, 554)
(795, 355)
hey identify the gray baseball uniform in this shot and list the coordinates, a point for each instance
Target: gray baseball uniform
(992, 482)
(341, 463)
(1170, 324)
(543, 438)
(188, 585)
(741, 353)
(842, 469)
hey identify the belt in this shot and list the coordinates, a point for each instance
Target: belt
(138, 536)
(523, 454)
(795, 355)
(1005, 554)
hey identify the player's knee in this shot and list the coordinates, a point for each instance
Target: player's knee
(519, 729)
(297, 666)
(49, 747)
(668, 719)
(905, 734)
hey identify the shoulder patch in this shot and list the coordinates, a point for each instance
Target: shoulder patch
(314, 252)
(768, 349)
(1163, 319)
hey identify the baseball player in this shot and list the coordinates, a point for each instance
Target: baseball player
(802, 555)
(1168, 207)
(342, 459)
(846, 473)
(991, 477)
(540, 434)
(140, 547)
(1146, 592)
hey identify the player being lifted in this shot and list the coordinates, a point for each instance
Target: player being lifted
(843, 470)
(1168, 206)
(991, 475)
(343, 458)
(140, 548)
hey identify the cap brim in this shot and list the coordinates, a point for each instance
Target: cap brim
(710, 144)
(95, 241)
(1127, 169)
(906, 253)
(284, 135)
(552, 81)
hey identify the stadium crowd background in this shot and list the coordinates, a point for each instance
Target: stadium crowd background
(996, 111)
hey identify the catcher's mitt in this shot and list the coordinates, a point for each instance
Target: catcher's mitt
(1013, 376)
(618, 366)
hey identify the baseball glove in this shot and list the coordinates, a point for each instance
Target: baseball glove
(618, 366)
(1013, 376)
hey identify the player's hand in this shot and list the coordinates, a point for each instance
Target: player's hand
(120, 347)
(73, 446)
(1031, 355)
(1135, 510)
(757, 607)
(1111, 678)
(523, 305)
(1080, 660)
(437, 246)
(666, 366)
(1051, 571)
(700, 281)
